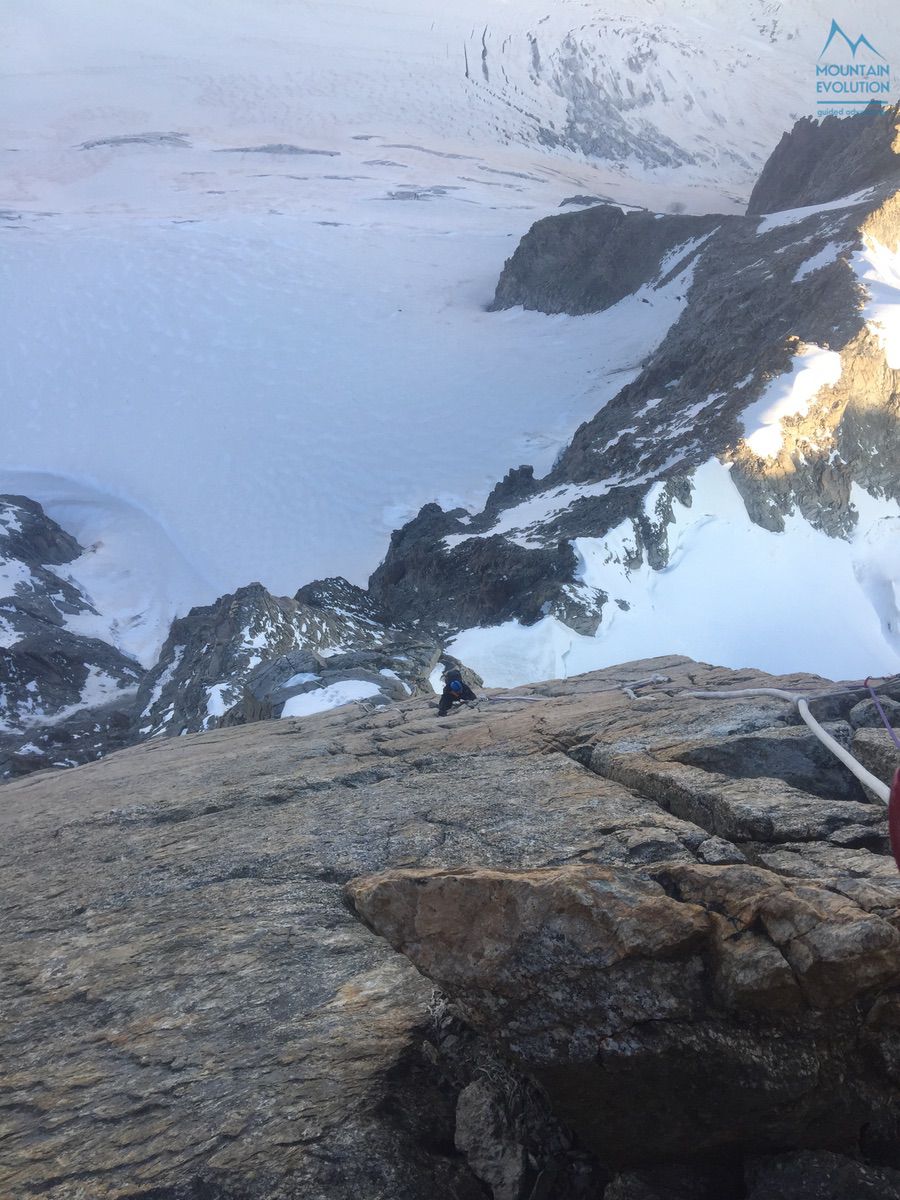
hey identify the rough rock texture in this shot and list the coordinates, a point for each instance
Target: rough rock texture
(397, 671)
(762, 999)
(808, 1176)
(187, 1009)
(818, 161)
(64, 697)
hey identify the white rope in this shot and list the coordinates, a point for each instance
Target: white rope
(866, 778)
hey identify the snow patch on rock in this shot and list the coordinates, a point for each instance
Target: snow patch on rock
(878, 269)
(789, 395)
(348, 691)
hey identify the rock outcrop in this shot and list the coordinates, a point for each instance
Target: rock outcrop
(818, 161)
(759, 297)
(766, 999)
(64, 695)
(492, 580)
(242, 658)
(689, 1011)
(190, 1009)
(587, 261)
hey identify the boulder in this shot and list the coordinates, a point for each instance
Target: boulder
(603, 983)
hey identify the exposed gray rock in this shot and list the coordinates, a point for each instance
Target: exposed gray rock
(484, 1136)
(29, 535)
(277, 148)
(743, 990)
(818, 161)
(341, 598)
(678, 1183)
(398, 671)
(876, 750)
(717, 852)
(809, 1176)
(583, 201)
(87, 734)
(138, 139)
(64, 697)
(485, 580)
(192, 1011)
(795, 756)
(866, 714)
(236, 656)
(587, 261)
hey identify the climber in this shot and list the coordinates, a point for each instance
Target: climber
(455, 692)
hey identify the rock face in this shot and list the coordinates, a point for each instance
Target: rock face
(587, 261)
(189, 1009)
(64, 696)
(820, 161)
(492, 580)
(759, 296)
(245, 656)
(764, 1000)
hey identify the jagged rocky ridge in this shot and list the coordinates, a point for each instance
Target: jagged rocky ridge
(65, 697)
(667, 905)
(755, 294)
(245, 656)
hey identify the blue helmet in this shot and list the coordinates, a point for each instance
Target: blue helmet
(455, 685)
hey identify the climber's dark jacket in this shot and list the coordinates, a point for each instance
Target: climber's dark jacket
(449, 698)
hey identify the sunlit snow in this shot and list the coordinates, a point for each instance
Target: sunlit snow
(789, 395)
(878, 268)
(792, 216)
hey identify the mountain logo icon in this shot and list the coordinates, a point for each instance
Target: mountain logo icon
(862, 40)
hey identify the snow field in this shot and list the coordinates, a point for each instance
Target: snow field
(290, 394)
(225, 365)
(733, 593)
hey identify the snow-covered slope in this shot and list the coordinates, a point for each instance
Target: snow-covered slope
(250, 248)
(739, 500)
(730, 592)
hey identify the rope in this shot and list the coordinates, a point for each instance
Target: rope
(883, 715)
(866, 778)
(801, 699)
(872, 782)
